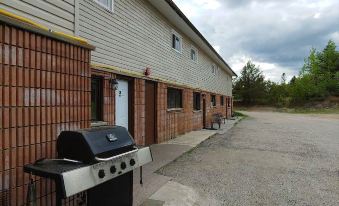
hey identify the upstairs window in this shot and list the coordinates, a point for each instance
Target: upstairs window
(222, 100)
(176, 42)
(214, 69)
(196, 101)
(194, 54)
(213, 100)
(96, 98)
(107, 4)
(174, 98)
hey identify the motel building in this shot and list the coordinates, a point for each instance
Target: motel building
(71, 64)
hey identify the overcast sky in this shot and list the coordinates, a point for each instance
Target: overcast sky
(275, 34)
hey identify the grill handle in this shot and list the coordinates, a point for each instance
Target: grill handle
(114, 157)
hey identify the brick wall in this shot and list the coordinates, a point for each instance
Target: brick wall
(173, 123)
(44, 88)
(139, 111)
(109, 95)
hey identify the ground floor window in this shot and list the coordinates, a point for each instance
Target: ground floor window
(96, 98)
(213, 100)
(222, 100)
(196, 101)
(174, 98)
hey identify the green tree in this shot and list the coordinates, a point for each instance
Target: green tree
(250, 87)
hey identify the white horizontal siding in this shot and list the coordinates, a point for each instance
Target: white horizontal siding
(136, 36)
(55, 14)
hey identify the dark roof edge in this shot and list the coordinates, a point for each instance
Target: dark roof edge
(189, 23)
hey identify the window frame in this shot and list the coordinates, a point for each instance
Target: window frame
(195, 101)
(222, 101)
(100, 99)
(213, 103)
(177, 35)
(179, 99)
(196, 54)
(214, 69)
(105, 6)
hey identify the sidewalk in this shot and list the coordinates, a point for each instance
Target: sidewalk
(156, 185)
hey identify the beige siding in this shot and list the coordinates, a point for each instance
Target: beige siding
(136, 36)
(55, 14)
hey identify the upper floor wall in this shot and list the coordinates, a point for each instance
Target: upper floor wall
(135, 36)
(57, 15)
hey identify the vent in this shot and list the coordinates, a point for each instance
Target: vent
(4, 197)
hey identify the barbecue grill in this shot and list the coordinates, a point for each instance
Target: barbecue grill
(99, 161)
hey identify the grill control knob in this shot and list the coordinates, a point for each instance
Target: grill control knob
(132, 162)
(123, 165)
(113, 169)
(101, 174)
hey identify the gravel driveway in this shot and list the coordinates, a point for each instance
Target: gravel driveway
(267, 159)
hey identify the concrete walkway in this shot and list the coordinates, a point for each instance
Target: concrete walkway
(160, 190)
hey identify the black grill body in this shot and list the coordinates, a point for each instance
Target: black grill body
(99, 161)
(84, 145)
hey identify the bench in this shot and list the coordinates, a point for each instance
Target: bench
(217, 118)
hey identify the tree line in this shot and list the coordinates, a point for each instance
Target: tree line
(317, 80)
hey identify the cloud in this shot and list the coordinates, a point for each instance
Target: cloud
(217, 48)
(276, 34)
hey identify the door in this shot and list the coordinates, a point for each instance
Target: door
(150, 117)
(204, 112)
(121, 104)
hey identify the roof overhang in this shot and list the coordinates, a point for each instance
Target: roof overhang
(171, 11)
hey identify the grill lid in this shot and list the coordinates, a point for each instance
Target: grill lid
(86, 144)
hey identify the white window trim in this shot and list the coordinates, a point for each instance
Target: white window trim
(214, 69)
(196, 54)
(181, 41)
(104, 6)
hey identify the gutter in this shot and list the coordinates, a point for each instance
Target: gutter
(189, 23)
(29, 25)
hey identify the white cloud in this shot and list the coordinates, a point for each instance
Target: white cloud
(217, 48)
(194, 8)
(209, 4)
(271, 71)
(275, 34)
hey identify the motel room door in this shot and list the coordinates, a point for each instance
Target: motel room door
(204, 112)
(121, 104)
(150, 113)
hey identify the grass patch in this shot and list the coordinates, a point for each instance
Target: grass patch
(303, 110)
(239, 114)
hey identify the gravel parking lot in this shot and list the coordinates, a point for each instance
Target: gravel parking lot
(267, 159)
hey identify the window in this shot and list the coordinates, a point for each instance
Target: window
(222, 100)
(196, 101)
(213, 101)
(174, 98)
(214, 69)
(229, 102)
(176, 42)
(107, 4)
(96, 99)
(194, 54)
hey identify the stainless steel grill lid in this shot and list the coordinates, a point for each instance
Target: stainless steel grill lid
(88, 144)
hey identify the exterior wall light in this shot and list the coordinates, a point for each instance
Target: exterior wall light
(114, 84)
(147, 71)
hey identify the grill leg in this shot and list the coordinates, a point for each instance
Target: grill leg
(58, 197)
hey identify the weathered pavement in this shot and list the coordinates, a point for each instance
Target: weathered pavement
(267, 159)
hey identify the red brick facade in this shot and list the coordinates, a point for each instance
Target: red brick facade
(45, 87)
(176, 122)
